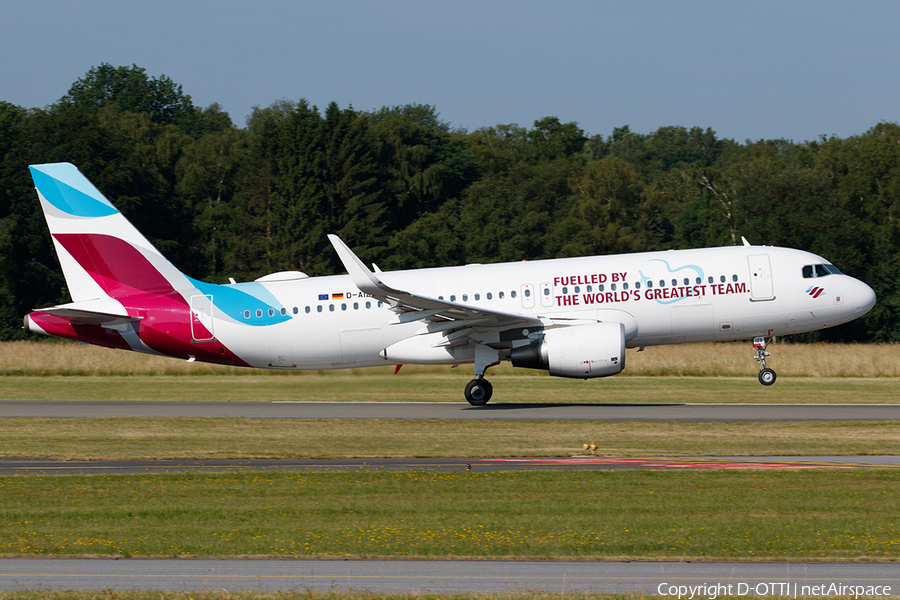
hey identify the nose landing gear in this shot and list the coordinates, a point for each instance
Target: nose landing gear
(766, 375)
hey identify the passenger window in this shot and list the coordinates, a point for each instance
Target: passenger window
(637, 285)
(258, 313)
(528, 292)
(489, 296)
(452, 297)
(343, 307)
(283, 311)
(307, 310)
(624, 286)
(612, 286)
(687, 281)
(577, 290)
(512, 294)
(565, 291)
(649, 284)
(590, 289)
(674, 282)
(721, 278)
(356, 306)
(500, 295)
(734, 277)
(331, 307)
(246, 314)
(710, 279)
(368, 304)
(600, 287)
(297, 310)
(465, 297)
(319, 308)
(662, 283)
(699, 280)
(478, 296)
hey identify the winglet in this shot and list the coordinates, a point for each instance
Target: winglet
(365, 280)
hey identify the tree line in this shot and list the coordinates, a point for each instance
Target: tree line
(406, 190)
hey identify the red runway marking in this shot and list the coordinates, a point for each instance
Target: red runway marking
(672, 463)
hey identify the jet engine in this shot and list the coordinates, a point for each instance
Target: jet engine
(581, 351)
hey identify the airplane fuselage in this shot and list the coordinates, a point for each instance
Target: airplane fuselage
(671, 297)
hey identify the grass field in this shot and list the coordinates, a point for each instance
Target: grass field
(746, 515)
(120, 438)
(695, 360)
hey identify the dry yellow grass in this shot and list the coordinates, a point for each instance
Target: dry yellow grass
(697, 360)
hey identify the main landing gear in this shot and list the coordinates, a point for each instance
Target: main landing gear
(766, 375)
(480, 390)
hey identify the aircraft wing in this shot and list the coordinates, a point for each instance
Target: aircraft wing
(456, 321)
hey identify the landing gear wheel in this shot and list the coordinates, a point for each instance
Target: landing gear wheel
(478, 392)
(767, 376)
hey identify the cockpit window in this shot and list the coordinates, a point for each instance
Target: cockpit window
(810, 271)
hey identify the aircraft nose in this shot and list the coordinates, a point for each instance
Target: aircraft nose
(863, 297)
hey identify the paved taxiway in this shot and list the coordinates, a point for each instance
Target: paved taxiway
(437, 576)
(455, 411)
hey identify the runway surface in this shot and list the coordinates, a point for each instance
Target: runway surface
(444, 576)
(446, 465)
(455, 411)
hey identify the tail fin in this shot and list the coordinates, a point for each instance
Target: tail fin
(101, 253)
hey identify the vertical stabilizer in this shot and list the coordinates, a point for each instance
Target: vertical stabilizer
(101, 253)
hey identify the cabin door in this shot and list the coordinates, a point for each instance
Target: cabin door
(761, 287)
(202, 319)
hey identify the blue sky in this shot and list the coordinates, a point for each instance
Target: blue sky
(749, 70)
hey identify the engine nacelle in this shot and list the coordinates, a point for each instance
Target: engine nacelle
(582, 351)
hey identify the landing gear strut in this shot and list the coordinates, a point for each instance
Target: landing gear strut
(766, 375)
(479, 390)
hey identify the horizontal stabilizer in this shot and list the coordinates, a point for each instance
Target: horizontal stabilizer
(82, 312)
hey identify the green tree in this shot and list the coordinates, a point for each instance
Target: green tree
(129, 89)
(420, 162)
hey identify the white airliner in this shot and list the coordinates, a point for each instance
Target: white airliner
(573, 317)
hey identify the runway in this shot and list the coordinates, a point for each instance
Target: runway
(445, 465)
(661, 579)
(454, 411)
